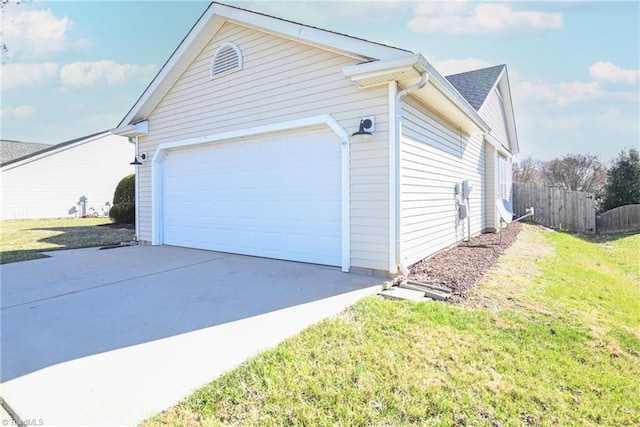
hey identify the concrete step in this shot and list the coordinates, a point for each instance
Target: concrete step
(398, 293)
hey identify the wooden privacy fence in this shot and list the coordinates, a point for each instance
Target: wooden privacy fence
(623, 218)
(556, 208)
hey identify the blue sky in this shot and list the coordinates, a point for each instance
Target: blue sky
(76, 67)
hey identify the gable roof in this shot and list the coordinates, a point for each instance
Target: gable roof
(212, 20)
(11, 150)
(476, 85)
(52, 149)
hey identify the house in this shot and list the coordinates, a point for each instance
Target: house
(70, 179)
(11, 150)
(270, 138)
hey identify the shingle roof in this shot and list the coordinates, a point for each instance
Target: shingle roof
(11, 150)
(475, 85)
(44, 148)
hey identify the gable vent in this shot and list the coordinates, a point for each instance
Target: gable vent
(227, 58)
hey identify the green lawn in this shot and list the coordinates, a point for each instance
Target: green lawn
(551, 337)
(22, 240)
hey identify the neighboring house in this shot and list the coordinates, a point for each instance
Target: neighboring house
(11, 150)
(247, 134)
(71, 179)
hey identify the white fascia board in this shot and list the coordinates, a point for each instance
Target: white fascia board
(416, 62)
(378, 68)
(170, 71)
(344, 44)
(139, 129)
(450, 92)
(510, 114)
(213, 18)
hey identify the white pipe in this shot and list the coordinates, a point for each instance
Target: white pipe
(137, 224)
(397, 166)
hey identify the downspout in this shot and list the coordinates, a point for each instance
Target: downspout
(398, 189)
(137, 225)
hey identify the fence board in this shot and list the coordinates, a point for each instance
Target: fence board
(623, 218)
(556, 208)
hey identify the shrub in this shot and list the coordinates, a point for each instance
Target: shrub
(126, 190)
(123, 213)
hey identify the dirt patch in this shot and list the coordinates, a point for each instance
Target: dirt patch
(461, 268)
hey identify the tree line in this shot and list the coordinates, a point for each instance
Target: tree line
(617, 184)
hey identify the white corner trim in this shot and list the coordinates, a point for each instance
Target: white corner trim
(157, 237)
(394, 135)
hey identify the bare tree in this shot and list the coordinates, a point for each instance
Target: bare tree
(575, 172)
(528, 169)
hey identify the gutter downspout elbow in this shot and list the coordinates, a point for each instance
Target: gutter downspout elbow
(398, 188)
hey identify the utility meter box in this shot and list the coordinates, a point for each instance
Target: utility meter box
(466, 189)
(462, 211)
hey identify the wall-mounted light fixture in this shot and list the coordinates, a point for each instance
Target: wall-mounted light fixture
(367, 126)
(138, 159)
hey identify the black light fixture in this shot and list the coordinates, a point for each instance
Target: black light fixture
(366, 126)
(136, 161)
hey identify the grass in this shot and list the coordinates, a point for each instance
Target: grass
(23, 240)
(551, 337)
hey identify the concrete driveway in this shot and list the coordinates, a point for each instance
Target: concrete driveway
(110, 337)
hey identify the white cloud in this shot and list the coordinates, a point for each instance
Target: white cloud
(478, 18)
(609, 72)
(99, 120)
(36, 34)
(83, 74)
(27, 75)
(21, 112)
(454, 66)
(560, 94)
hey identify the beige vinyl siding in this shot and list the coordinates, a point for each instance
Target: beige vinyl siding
(434, 157)
(50, 185)
(493, 113)
(282, 80)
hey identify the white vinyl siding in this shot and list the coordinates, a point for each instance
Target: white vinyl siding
(492, 112)
(502, 178)
(434, 158)
(491, 176)
(50, 185)
(282, 80)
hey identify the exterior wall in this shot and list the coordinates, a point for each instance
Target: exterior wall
(434, 158)
(52, 185)
(281, 80)
(491, 177)
(492, 112)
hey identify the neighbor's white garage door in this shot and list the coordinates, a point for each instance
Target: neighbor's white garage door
(275, 197)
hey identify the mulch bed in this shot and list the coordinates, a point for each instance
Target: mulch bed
(461, 268)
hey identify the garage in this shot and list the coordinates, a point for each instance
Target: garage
(275, 196)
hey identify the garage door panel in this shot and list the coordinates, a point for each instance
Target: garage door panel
(276, 197)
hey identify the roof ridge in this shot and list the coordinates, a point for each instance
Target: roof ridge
(311, 26)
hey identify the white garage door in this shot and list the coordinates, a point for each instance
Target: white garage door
(275, 197)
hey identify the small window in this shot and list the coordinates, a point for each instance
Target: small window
(227, 58)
